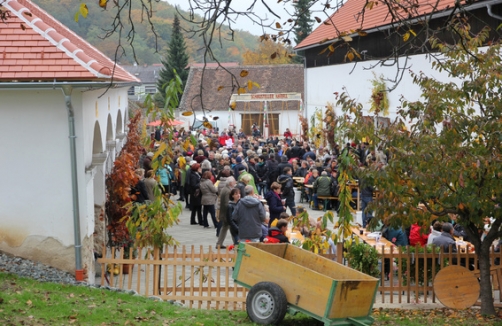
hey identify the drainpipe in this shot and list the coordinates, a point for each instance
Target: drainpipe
(79, 272)
(490, 12)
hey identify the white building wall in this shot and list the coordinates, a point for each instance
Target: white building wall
(36, 206)
(35, 198)
(323, 82)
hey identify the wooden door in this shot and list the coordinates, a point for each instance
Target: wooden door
(248, 119)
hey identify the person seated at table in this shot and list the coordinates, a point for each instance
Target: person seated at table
(322, 187)
(458, 230)
(446, 239)
(397, 237)
(435, 231)
(279, 232)
(310, 182)
(418, 235)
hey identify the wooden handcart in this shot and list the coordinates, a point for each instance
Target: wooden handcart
(284, 278)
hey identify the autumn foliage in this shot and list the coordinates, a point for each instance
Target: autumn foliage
(119, 182)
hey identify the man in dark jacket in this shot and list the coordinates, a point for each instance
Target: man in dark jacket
(262, 175)
(237, 166)
(302, 170)
(288, 193)
(309, 153)
(272, 170)
(249, 214)
(284, 163)
(295, 151)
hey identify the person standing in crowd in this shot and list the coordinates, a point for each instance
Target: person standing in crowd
(234, 197)
(249, 214)
(238, 165)
(273, 174)
(150, 185)
(164, 173)
(208, 200)
(224, 197)
(288, 193)
(138, 192)
(274, 202)
(284, 163)
(250, 179)
(195, 194)
(182, 177)
(262, 174)
(188, 180)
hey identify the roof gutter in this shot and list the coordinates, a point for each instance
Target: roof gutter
(473, 6)
(79, 272)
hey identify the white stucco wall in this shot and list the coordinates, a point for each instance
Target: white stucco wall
(322, 82)
(36, 207)
(35, 167)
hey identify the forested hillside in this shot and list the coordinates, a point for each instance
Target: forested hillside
(92, 29)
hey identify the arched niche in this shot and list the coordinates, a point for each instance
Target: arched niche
(109, 129)
(97, 142)
(119, 128)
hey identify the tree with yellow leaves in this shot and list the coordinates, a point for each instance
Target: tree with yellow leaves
(268, 53)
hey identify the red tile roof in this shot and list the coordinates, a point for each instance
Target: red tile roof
(349, 17)
(34, 46)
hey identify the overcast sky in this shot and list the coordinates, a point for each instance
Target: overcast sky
(246, 24)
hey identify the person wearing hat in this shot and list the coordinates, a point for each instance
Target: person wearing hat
(238, 164)
(196, 195)
(242, 173)
(147, 161)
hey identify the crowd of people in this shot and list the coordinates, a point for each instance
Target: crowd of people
(244, 183)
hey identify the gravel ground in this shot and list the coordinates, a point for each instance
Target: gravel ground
(34, 270)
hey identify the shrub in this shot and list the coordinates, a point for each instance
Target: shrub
(364, 258)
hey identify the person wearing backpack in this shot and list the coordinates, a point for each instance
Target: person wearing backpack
(286, 182)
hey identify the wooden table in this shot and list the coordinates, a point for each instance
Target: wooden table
(384, 243)
(294, 235)
(352, 186)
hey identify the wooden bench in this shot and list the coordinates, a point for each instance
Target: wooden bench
(326, 198)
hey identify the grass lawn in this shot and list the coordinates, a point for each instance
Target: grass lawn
(27, 302)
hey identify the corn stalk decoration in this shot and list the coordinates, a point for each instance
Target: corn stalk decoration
(379, 97)
(316, 133)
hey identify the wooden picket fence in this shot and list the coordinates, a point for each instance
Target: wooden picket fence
(197, 278)
(412, 273)
(201, 277)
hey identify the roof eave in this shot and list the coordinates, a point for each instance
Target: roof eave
(443, 13)
(21, 85)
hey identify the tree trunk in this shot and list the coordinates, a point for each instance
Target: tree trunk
(486, 292)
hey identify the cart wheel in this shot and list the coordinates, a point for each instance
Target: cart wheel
(266, 303)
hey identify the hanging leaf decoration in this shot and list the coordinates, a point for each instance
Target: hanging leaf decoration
(244, 73)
